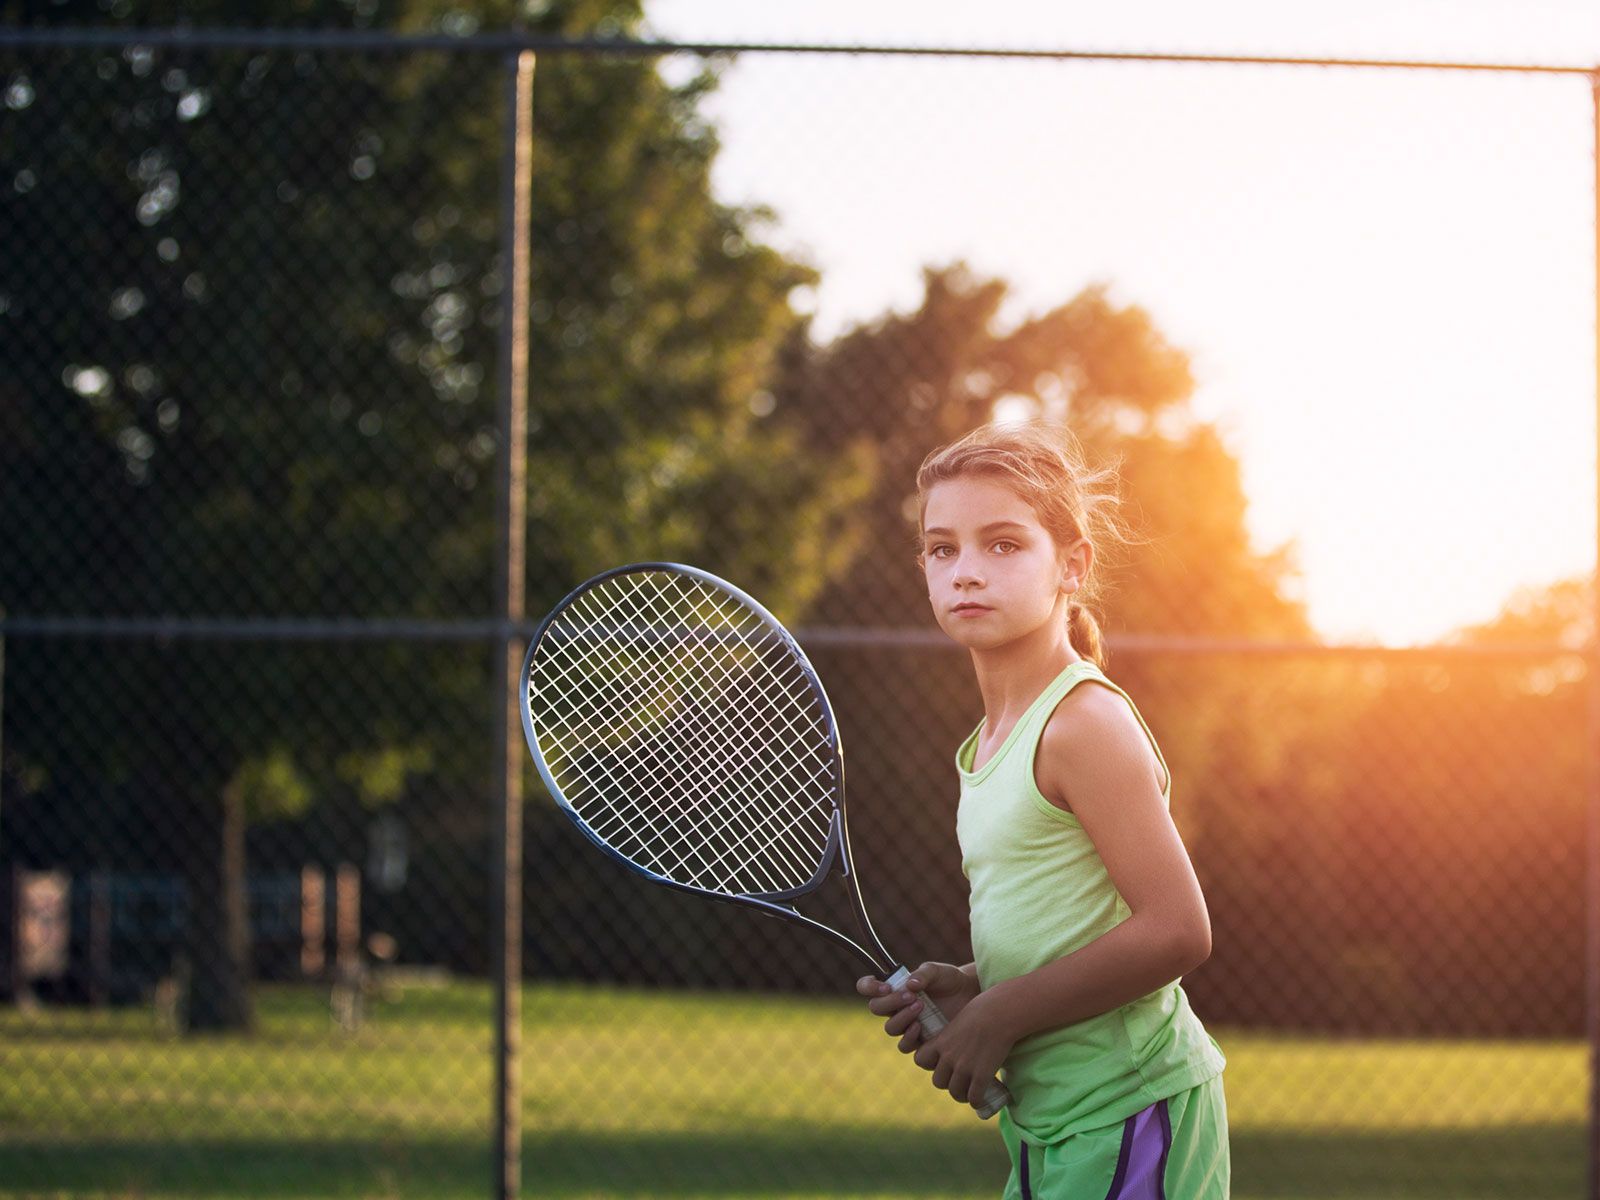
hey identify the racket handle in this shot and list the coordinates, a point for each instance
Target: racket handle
(932, 1020)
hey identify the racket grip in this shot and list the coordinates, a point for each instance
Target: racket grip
(932, 1020)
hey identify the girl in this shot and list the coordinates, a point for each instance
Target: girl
(1085, 909)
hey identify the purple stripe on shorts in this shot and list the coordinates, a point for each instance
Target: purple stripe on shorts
(1026, 1194)
(1146, 1138)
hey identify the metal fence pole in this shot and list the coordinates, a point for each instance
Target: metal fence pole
(510, 570)
(1592, 750)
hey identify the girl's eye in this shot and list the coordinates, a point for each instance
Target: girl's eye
(938, 551)
(1013, 545)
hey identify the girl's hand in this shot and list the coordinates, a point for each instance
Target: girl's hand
(967, 1053)
(951, 988)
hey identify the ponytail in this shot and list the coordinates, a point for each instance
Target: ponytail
(1084, 632)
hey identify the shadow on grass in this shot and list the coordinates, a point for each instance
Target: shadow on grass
(1520, 1163)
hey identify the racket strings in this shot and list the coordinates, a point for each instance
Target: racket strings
(686, 733)
(639, 764)
(737, 738)
(722, 842)
(717, 852)
(733, 737)
(786, 672)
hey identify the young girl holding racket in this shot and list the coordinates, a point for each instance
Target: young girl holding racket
(1085, 909)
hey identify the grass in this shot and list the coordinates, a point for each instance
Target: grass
(633, 1093)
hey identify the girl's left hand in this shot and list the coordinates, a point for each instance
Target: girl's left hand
(966, 1054)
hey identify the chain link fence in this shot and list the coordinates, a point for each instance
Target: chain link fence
(251, 304)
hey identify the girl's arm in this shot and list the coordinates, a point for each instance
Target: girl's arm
(1094, 755)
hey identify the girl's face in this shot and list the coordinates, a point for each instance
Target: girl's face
(994, 573)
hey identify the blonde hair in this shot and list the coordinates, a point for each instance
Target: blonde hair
(1043, 462)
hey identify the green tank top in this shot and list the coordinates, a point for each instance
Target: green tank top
(1040, 891)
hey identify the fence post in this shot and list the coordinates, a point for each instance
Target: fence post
(515, 205)
(1592, 749)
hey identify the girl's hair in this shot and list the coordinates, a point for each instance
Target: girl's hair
(1043, 462)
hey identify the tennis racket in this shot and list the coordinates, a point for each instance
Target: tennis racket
(684, 731)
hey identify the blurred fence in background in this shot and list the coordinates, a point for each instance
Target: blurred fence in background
(251, 303)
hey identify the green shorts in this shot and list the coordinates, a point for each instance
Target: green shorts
(1177, 1149)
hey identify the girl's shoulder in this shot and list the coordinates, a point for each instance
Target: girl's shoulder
(1093, 738)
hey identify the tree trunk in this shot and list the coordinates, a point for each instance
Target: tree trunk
(219, 926)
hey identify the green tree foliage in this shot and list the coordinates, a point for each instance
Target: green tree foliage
(253, 311)
(658, 314)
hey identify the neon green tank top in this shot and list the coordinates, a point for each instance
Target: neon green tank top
(1040, 891)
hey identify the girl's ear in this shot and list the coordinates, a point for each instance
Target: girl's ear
(1081, 549)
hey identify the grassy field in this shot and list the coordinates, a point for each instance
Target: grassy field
(643, 1094)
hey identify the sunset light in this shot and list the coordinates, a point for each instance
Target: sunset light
(1384, 280)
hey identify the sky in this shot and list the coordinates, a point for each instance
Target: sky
(1384, 280)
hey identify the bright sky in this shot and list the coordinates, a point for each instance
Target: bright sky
(1385, 280)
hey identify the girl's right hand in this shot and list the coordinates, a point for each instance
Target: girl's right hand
(949, 986)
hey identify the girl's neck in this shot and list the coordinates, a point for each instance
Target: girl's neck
(1013, 676)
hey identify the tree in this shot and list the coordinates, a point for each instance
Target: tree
(255, 331)
(895, 388)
